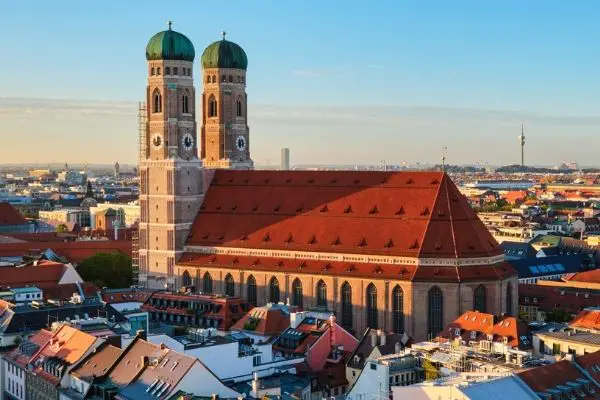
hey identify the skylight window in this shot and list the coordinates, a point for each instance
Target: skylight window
(164, 363)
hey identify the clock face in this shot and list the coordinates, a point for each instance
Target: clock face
(157, 141)
(240, 143)
(187, 141)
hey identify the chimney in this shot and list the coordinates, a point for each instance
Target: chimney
(144, 361)
(141, 333)
(382, 337)
(255, 385)
(397, 347)
(373, 338)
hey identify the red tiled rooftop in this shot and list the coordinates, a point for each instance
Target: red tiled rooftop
(21, 276)
(73, 251)
(592, 276)
(591, 363)
(542, 378)
(98, 362)
(414, 214)
(588, 319)
(271, 321)
(10, 215)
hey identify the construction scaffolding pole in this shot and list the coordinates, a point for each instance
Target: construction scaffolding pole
(135, 239)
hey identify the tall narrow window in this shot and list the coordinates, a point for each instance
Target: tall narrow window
(435, 305)
(398, 309)
(185, 106)
(238, 107)
(175, 72)
(207, 286)
(509, 302)
(297, 295)
(479, 298)
(371, 306)
(229, 285)
(167, 70)
(321, 294)
(212, 106)
(156, 102)
(186, 279)
(152, 71)
(274, 290)
(251, 290)
(346, 305)
(214, 79)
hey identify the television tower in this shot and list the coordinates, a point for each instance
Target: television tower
(522, 141)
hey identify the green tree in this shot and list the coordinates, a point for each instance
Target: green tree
(112, 270)
(558, 315)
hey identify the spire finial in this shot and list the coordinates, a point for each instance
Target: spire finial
(170, 23)
(223, 33)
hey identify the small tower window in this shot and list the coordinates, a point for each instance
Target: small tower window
(158, 71)
(185, 106)
(238, 107)
(223, 78)
(239, 79)
(152, 71)
(156, 102)
(243, 79)
(167, 70)
(175, 71)
(230, 78)
(214, 79)
(212, 106)
(189, 72)
(208, 79)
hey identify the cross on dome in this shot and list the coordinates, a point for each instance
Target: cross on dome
(223, 33)
(170, 23)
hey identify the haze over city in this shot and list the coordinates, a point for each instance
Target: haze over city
(336, 82)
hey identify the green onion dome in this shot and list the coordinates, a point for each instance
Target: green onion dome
(224, 54)
(170, 45)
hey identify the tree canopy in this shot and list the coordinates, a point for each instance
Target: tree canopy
(112, 270)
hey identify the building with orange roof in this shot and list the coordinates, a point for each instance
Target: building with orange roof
(262, 323)
(587, 320)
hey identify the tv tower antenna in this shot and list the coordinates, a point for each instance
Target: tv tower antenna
(444, 148)
(522, 142)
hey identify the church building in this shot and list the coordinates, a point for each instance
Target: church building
(399, 251)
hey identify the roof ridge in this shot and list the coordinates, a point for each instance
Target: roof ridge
(445, 182)
(435, 199)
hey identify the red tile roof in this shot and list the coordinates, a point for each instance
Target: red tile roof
(414, 214)
(75, 252)
(587, 319)
(23, 276)
(126, 296)
(269, 321)
(485, 325)
(98, 362)
(10, 215)
(591, 363)
(546, 377)
(351, 269)
(549, 297)
(592, 276)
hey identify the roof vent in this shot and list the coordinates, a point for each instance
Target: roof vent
(288, 180)
(357, 181)
(470, 247)
(351, 268)
(378, 270)
(230, 181)
(362, 243)
(213, 260)
(277, 208)
(374, 210)
(400, 211)
(324, 209)
(348, 210)
(218, 207)
(255, 208)
(436, 271)
(313, 240)
(244, 238)
(327, 267)
(279, 263)
(415, 245)
(203, 207)
(246, 180)
(425, 211)
(256, 261)
(267, 180)
(302, 265)
(333, 181)
(441, 213)
(403, 271)
(389, 244)
(434, 181)
(235, 261)
(409, 181)
(206, 235)
(221, 236)
(300, 208)
(311, 181)
(267, 238)
(438, 246)
(289, 239)
(337, 241)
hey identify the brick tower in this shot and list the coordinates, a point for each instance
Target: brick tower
(170, 170)
(225, 132)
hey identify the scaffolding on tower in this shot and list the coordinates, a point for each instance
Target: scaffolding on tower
(135, 237)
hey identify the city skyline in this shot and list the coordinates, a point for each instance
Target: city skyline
(299, 93)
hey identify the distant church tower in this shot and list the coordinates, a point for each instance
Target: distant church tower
(225, 132)
(170, 170)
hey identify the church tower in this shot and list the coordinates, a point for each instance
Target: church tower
(225, 132)
(170, 170)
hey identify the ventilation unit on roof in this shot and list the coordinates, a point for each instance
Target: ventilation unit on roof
(279, 263)
(434, 181)
(415, 245)
(313, 240)
(348, 210)
(327, 267)
(425, 211)
(289, 239)
(409, 181)
(233, 207)
(277, 208)
(256, 262)
(300, 208)
(267, 238)
(374, 210)
(351, 268)
(337, 241)
(324, 209)
(206, 235)
(362, 243)
(244, 238)
(400, 211)
(389, 244)
(235, 261)
(302, 265)
(218, 207)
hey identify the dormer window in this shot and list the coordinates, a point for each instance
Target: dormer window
(473, 335)
(456, 331)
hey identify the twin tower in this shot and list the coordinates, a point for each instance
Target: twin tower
(171, 168)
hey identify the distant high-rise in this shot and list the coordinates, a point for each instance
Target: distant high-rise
(522, 141)
(285, 159)
(117, 170)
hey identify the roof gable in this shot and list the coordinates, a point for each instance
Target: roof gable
(10, 215)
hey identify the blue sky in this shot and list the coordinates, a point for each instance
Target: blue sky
(533, 60)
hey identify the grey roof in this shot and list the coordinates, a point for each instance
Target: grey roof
(574, 336)
(547, 266)
(517, 250)
(509, 387)
(364, 348)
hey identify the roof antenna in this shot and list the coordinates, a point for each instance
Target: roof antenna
(223, 33)
(170, 23)
(444, 148)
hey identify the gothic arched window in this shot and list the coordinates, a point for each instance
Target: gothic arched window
(238, 107)
(152, 71)
(229, 285)
(223, 78)
(158, 71)
(251, 290)
(321, 294)
(175, 71)
(167, 71)
(509, 302)
(435, 306)
(346, 305)
(156, 102)
(212, 106)
(398, 309)
(371, 306)
(185, 106)
(479, 298)
(207, 286)
(297, 295)
(274, 290)
(214, 79)
(186, 279)
(208, 79)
